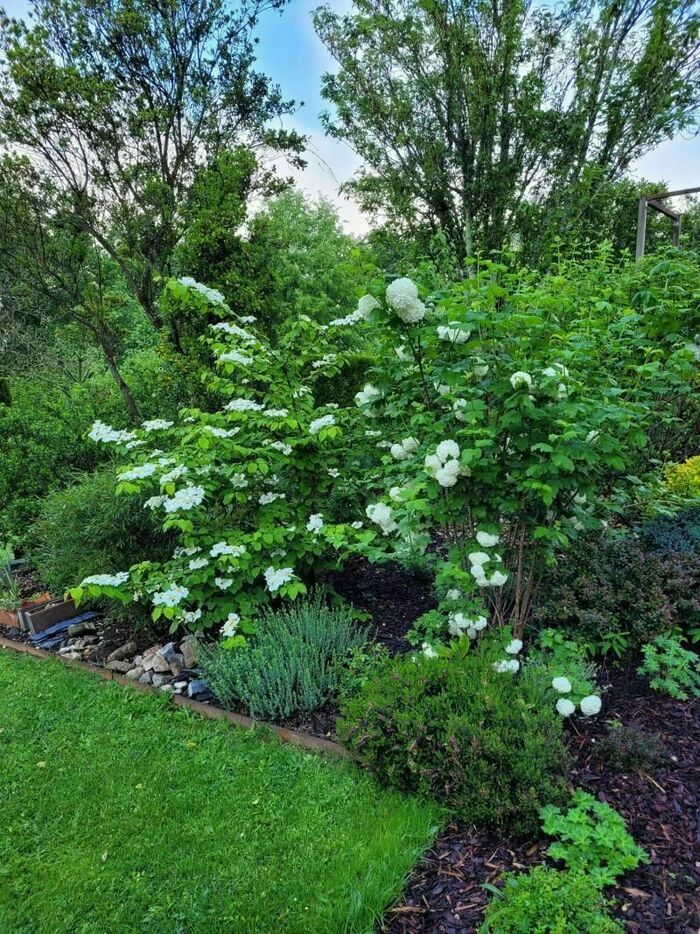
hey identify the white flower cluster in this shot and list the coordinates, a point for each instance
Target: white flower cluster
(138, 473)
(380, 514)
(156, 424)
(232, 623)
(511, 665)
(477, 560)
(403, 450)
(186, 498)
(196, 564)
(154, 502)
(173, 596)
(107, 580)
(428, 650)
(590, 705)
(212, 295)
(235, 356)
(486, 539)
(444, 464)
(315, 523)
(189, 617)
(325, 360)
(107, 434)
(243, 405)
(280, 446)
(368, 395)
(239, 481)
(454, 333)
(223, 583)
(276, 413)
(325, 421)
(172, 475)
(459, 623)
(223, 548)
(235, 331)
(221, 432)
(520, 378)
(277, 577)
(402, 298)
(266, 498)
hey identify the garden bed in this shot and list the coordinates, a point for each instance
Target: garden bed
(446, 895)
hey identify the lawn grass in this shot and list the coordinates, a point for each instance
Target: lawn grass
(121, 813)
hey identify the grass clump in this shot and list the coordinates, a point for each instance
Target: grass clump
(292, 665)
(123, 814)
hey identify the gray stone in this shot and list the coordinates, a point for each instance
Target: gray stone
(189, 648)
(177, 663)
(68, 649)
(72, 656)
(124, 651)
(81, 629)
(92, 653)
(159, 679)
(159, 664)
(168, 688)
(138, 659)
(146, 677)
(135, 673)
(196, 687)
(117, 665)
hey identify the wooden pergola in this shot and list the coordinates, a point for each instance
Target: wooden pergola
(654, 201)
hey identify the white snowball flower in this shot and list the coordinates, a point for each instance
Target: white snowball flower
(448, 474)
(453, 594)
(486, 540)
(402, 297)
(397, 452)
(520, 378)
(565, 707)
(590, 705)
(458, 407)
(367, 395)
(276, 578)
(478, 558)
(107, 580)
(410, 445)
(497, 579)
(366, 305)
(453, 333)
(231, 625)
(447, 450)
(514, 646)
(480, 623)
(432, 463)
(480, 370)
(511, 665)
(457, 623)
(562, 685)
(395, 493)
(380, 514)
(325, 421)
(429, 651)
(315, 523)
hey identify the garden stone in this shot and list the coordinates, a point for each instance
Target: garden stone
(119, 666)
(179, 686)
(134, 674)
(168, 688)
(72, 656)
(146, 677)
(159, 664)
(199, 690)
(129, 648)
(159, 679)
(188, 649)
(81, 629)
(177, 663)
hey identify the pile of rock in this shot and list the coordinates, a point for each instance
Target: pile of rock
(170, 667)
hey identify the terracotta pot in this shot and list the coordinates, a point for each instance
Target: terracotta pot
(11, 619)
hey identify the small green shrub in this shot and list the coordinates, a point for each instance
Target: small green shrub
(670, 668)
(592, 838)
(293, 664)
(485, 743)
(545, 901)
(84, 529)
(364, 664)
(628, 747)
(559, 659)
(679, 533)
(603, 587)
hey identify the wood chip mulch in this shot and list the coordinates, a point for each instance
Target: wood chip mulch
(445, 895)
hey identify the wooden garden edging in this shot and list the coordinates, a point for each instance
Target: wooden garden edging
(205, 710)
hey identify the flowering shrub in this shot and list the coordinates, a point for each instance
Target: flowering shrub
(501, 428)
(453, 728)
(246, 488)
(544, 901)
(591, 837)
(564, 675)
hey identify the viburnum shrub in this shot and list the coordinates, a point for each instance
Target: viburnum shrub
(503, 425)
(245, 488)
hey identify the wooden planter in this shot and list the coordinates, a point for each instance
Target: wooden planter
(15, 619)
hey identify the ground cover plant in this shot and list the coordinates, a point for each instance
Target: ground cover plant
(165, 822)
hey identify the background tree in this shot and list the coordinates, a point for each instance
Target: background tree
(119, 103)
(467, 114)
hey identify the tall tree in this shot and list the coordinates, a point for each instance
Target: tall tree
(467, 114)
(119, 103)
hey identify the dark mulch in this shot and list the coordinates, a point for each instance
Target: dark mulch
(446, 892)
(393, 596)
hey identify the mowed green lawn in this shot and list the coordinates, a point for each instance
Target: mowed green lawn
(121, 813)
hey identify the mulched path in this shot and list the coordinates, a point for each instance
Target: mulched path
(445, 895)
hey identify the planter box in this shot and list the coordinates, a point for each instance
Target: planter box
(15, 619)
(42, 617)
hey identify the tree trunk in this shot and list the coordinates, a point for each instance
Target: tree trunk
(110, 359)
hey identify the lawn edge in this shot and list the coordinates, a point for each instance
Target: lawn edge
(295, 737)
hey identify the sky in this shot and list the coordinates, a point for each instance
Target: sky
(290, 52)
